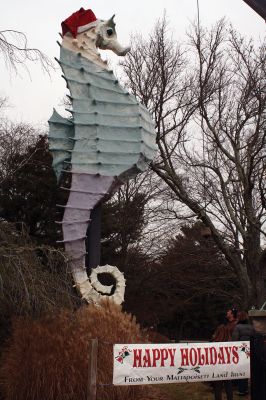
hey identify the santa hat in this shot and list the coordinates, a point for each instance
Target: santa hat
(78, 22)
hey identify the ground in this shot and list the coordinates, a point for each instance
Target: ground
(191, 391)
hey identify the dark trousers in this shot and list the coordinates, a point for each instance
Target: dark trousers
(242, 385)
(218, 389)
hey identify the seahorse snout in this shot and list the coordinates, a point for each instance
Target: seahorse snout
(121, 51)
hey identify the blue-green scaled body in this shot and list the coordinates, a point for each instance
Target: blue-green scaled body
(109, 139)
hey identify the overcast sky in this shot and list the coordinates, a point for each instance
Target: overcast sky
(33, 98)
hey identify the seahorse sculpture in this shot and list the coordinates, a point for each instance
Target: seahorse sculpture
(109, 139)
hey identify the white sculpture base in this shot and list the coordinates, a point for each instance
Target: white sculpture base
(93, 291)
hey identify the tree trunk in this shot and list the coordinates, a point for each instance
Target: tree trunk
(252, 253)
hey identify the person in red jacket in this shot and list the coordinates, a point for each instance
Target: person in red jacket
(222, 334)
(231, 317)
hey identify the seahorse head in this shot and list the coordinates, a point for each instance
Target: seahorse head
(83, 28)
(107, 37)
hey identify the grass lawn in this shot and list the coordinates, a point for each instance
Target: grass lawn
(191, 391)
(187, 391)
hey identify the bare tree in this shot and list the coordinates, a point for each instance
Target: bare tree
(15, 51)
(209, 106)
(3, 102)
(186, 278)
(14, 139)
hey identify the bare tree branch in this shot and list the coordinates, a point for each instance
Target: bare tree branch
(209, 107)
(15, 51)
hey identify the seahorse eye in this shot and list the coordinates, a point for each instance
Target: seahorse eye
(109, 31)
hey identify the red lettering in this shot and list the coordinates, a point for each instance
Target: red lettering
(213, 356)
(228, 353)
(193, 357)
(235, 355)
(206, 355)
(184, 357)
(221, 359)
(147, 359)
(137, 358)
(156, 356)
(164, 356)
(201, 358)
(172, 357)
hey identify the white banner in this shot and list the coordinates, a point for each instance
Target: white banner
(142, 364)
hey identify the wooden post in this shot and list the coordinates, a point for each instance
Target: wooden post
(92, 369)
(258, 367)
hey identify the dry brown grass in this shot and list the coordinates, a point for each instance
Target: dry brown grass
(48, 358)
(33, 279)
